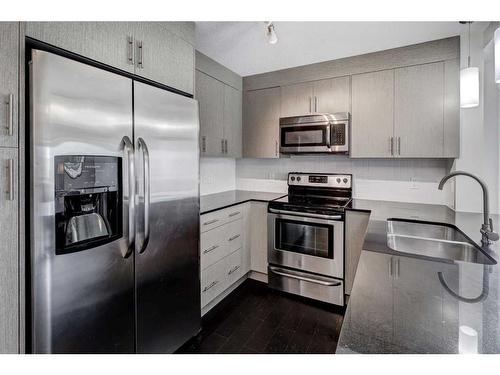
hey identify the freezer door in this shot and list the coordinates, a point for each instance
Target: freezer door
(81, 301)
(167, 262)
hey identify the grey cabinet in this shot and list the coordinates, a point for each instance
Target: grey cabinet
(261, 113)
(232, 121)
(9, 68)
(148, 49)
(419, 110)
(326, 95)
(163, 57)
(296, 99)
(107, 42)
(210, 95)
(372, 125)
(331, 95)
(220, 117)
(9, 256)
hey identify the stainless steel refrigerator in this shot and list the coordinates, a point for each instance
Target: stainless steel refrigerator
(114, 211)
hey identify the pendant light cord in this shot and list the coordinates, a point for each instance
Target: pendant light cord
(468, 55)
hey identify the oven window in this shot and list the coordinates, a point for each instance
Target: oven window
(303, 136)
(304, 238)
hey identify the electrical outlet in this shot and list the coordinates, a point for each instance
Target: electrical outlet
(413, 183)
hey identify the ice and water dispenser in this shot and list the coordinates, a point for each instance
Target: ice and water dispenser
(88, 201)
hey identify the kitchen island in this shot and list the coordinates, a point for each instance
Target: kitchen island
(399, 304)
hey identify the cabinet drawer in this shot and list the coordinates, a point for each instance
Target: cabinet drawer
(234, 267)
(213, 246)
(233, 235)
(213, 281)
(233, 213)
(211, 220)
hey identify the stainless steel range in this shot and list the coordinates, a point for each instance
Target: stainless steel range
(306, 236)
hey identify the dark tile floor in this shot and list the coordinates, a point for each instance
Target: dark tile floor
(255, 319)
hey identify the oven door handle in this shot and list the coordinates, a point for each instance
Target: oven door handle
(307, 214)
(282, 272)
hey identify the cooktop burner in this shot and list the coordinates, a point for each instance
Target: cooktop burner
(326, 193)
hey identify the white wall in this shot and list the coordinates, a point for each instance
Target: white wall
(479, 128)
(404, 180)
(216, 175)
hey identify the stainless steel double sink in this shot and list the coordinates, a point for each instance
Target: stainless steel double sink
(439, 241)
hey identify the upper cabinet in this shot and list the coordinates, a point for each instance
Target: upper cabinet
(218, 91)
(148, 49)
(419, 111)
(406, 112)
(261, 114)
(9, 68)
(162, 56)
(210, 95)
(323, 96)
(372, 117)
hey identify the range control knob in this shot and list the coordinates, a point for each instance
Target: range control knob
(298, 178)
(293, 178)
(338, 180)
(345, 180)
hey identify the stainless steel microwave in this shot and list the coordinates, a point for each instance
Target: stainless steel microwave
(315, 133)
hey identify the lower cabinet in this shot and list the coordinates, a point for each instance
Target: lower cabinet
(9, 253)
(224, 257)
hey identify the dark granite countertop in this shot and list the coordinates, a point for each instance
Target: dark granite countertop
(217, 201)
(398, 303)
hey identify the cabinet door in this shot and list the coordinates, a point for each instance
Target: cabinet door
(258, 236)
(296, 99)
(164, 57)
(332, 95)
(418, 110)
(372, 114)
(106, 42)
(210, 95)
(9, 278)
(9, 67)
(261, 115)
(451, 109)
(232, 121)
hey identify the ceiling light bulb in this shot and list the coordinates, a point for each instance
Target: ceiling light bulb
(272, 38)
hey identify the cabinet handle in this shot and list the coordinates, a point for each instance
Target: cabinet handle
(233, 270)
(276, 148)
(206, 251)
(234, 213)
(234, 237)
(310, 104)
(10, 173)
(212, 284)
(222, 145)
(203, 144)
(211, 222)
(399, 145)
(315, 104)
(140, 62)
(130, 50)
(10, 114)
(225, 145)
(391, 145)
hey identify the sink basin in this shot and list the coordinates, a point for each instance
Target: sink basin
(437, 241)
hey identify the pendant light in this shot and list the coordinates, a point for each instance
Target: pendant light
(272, 38)
(497, 55)
(469, 81)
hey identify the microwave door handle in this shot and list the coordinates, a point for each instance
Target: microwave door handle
(147, 192)
(328, 135)
(128, 148)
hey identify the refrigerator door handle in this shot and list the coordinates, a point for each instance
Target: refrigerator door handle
(129, 151)
(146, 180)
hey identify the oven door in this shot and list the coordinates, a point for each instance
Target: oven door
(310, 244)
(307, 138)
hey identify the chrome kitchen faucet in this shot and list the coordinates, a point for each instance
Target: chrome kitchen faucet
(488, 235)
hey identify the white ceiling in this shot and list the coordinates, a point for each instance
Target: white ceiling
(243, 47)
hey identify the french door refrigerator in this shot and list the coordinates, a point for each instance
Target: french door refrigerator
(113, 206)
